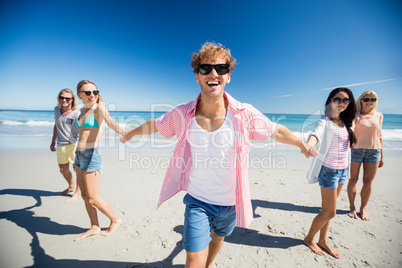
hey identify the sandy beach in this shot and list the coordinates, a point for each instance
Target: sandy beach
(38, 228)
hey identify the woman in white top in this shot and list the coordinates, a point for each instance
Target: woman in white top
(333, 138)
(367, 150)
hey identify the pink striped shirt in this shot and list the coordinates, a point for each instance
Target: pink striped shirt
(337, 157)
(250, 124)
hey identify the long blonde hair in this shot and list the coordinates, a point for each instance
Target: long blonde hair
(69, 91)
(359, 103)
(83, 82)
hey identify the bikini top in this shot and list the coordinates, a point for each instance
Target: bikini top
(90, 122)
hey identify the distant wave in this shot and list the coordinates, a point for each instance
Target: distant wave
(33, 123)
(27, 123)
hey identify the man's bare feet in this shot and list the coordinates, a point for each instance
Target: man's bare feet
(73, 198)
(353, 214)
(329, 250)
(313, 246)
(363, 215)
(113, 226)
(66, 191)
(93, 231)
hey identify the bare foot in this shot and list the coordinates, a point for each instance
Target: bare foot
(353, 214)
(66, 191)
(314, 247)
(113, 226)
(93, 231)
(363, 215)
(329, 250)
(73, 198)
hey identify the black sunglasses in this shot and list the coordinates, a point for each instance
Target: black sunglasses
(88, 93)
(221, 69)
(368, 99)
(63, 98)
(339, 100)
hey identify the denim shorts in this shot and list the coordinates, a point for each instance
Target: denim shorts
(331, 178)
(200, 218)
(366, 155)
(89, 160)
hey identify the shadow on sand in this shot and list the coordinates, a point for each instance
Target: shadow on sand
(26, 219)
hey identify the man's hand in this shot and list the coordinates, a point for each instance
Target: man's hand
(52, 147)
(308, 150)
(305, 149)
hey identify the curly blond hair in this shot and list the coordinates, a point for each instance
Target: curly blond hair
(211, 51)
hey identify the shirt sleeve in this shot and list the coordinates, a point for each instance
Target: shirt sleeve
(55, 112)
(260, 127)
(318, 131)
(166, 124)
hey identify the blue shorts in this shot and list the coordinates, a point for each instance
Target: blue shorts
(366, 155)
(200, 218)
(89, 160)
(331, 178)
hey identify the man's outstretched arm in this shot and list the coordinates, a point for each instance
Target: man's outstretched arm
(147, 128)
(283, 135)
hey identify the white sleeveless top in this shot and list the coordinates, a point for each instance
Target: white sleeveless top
(213, 173)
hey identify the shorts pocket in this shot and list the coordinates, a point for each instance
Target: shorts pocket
(88, 153)
(330, 172)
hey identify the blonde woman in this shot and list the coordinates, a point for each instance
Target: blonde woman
(88, 160)
(65, 133)
(367, 150)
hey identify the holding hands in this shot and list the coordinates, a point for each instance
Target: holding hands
(309, 150)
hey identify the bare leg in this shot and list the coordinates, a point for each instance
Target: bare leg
(214, 247)
(197, 259)
(323, 242)
(93, 217)
(328, 211)
(77, 193)
(92, 184)
(354, 176)
(369, 171)
(65, 171)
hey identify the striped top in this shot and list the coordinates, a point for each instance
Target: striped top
(337, 157)
(249, 124)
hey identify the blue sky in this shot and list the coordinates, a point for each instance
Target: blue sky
(290, 53)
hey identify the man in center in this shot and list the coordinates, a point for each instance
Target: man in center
(214, 134)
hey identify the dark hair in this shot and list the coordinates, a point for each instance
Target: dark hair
(348, 114)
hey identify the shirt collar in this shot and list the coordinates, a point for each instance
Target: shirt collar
(235, 105)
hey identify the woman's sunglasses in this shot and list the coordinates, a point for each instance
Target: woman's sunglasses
(63, 98)
(368, 99)
(339, 100)
(88, 93)
(220, 69)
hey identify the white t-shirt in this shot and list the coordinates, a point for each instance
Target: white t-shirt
(213, 173)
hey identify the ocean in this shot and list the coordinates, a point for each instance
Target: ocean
(32, 129)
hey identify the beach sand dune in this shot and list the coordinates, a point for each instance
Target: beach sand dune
(38, 228)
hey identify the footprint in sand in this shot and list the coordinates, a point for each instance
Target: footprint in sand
(369, 234)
